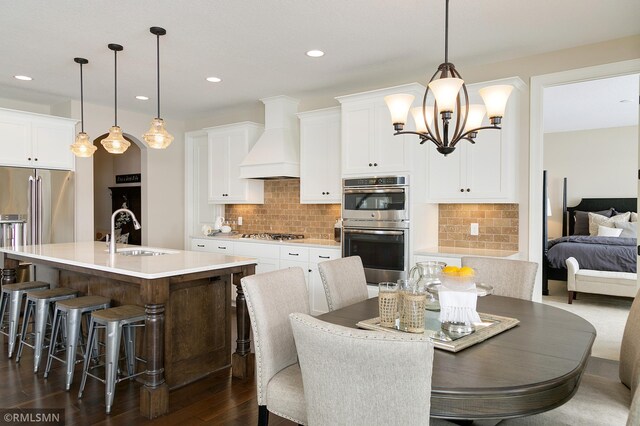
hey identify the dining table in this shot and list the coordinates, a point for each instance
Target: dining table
(530, 368)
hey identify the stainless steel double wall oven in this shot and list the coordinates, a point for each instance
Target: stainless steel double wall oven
(375, 213)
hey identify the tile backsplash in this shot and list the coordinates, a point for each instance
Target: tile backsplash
(283, 213)
(498, 226)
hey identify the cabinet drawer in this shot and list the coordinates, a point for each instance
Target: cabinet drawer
(268, 251)
(317, 255)
(212, 246)
(298, 254)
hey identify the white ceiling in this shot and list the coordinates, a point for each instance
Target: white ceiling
(257, 46)
(594, 104)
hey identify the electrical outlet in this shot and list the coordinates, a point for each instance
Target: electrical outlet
(474, 229)
(239, 220)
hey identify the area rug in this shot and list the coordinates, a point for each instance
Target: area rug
(608, 314)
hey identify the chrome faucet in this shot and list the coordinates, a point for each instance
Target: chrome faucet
(136, 225)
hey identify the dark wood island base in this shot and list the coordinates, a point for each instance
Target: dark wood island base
(187, 327)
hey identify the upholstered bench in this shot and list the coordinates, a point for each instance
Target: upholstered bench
(600, 282)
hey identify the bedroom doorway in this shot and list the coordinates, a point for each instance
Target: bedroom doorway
(536, 143)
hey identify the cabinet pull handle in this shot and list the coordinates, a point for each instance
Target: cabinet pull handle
(294, 254)
(324, 257)
(468, 190)
(222, 248)
(200, 245)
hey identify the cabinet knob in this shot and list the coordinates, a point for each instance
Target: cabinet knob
(327, 193)
(30, 159)
(35, 159)
(369, 164)
(375, 164)
(323, 193)
(309, 270)
(468, 190)
(461, 189)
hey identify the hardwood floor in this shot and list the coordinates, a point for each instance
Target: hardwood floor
(215, 400)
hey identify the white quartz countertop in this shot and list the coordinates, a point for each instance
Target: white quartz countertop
(94, 255)
(308, 242)
(461, 251)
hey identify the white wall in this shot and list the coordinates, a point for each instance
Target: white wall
(599, 163)
(26, 106)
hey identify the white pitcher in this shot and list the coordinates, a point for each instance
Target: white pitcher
(218, 223)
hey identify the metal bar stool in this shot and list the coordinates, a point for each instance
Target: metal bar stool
(42, 302)
(116, 321)
(13, 294)
(72, 310)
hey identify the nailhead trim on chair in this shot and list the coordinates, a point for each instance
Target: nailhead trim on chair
(327, 293)
(254, 327)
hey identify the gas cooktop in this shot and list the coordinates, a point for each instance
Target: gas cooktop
(275, 237)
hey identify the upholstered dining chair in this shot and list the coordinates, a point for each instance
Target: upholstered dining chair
(510, 278)
(598, 398)
(356, 377)
(344, 281)
(271, 297)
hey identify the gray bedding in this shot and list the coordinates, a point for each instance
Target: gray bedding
(597, 253)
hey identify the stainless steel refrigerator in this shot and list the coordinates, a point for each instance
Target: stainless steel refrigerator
(44, 198)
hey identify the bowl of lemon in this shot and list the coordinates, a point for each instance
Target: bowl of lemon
(453, 276)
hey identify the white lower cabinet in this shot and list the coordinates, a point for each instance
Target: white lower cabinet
(271, 257)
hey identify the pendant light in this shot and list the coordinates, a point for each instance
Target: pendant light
(157, 137)
(451, 101)
(115, 143)
(82, 146)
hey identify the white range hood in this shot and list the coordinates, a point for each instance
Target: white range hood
(276, 154)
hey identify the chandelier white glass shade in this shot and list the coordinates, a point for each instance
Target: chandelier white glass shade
(82, 147)
(115, 143)
(458, 120)
(157, 136)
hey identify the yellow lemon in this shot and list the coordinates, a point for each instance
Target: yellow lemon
(450, 270)
(466, 271)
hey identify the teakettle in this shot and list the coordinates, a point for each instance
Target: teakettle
(218, 223)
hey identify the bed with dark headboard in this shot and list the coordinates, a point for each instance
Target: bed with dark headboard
(619, 248)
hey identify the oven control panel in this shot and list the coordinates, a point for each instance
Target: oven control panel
(376, 181)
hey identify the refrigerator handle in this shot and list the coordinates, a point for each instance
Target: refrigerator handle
(39, 202)
(31, 218)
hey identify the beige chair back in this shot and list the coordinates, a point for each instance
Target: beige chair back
(344, 281)
(356, 377)
(510, 278)
(271, 297)
(630, 348)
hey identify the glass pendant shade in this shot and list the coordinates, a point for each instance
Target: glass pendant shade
(495, 99)
(474, 117)
(115, 143)
(83, 147)
(445, 90)
(399, 107)
(418, 118)
(157, 137)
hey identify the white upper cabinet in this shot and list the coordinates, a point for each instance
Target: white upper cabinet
(484, 171)
(320, 156)
(34, 140)
(228, 146)
(368, 144)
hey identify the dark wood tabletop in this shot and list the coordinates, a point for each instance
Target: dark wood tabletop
(531, 368)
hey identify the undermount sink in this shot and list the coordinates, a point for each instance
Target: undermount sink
(143, 252)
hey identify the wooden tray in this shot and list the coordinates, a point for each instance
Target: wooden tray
(490, 326)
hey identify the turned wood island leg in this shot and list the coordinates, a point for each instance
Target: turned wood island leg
(242, 360)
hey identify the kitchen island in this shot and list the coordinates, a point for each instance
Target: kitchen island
(186, 296)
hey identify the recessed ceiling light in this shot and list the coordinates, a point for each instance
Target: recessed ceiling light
(142, 98)
(315, 53)
(214, 79)
(23, 77)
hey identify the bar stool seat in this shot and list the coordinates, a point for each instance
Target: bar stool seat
(116, 321)
(42, 302)
(12, 295)
(72, 310)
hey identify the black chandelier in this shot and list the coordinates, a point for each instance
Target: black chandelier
(451, 100)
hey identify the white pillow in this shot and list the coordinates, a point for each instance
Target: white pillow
(597, 219)
(634, 217)
(604, 231)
